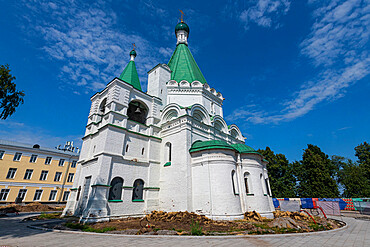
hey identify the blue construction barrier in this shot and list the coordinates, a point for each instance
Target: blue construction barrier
(342, 203)
(276, 202)
(306, 203)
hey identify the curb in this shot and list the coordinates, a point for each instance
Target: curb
(171, 236)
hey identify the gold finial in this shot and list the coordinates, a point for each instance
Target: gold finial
(133, 46)
(182, 15)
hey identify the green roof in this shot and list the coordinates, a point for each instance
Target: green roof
(130, 75)
(182, 26)
(184, 67)
(213, 144)
(218, 144)
(244, 149)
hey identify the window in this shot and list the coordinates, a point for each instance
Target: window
(53, 195)
(48, 160)
(17, 156)
(44, 175)
(126, 148)
(102, 106)
(4, 194)
(37, 196)
(33, 158)
(247, 189)
(21, 194)
(74, 163)
(267, 186)
(28, 174)
(65, 196)
(115, 191)
(11, 173)
(137, 194)
(169, 151)
(61, 162)
(262, 184)
(142, 151)
(57, 176)
(70, 177)
(234, 181)
(2, 152)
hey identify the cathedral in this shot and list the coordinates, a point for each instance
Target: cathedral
(166, 149)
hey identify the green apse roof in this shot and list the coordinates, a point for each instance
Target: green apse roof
(213, 144)
(218, 144)
(184, 67)
(130, 75)
(244, 149)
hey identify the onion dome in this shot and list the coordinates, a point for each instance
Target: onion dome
(133, 53)
(182, 26)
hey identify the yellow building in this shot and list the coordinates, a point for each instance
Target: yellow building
(30, 173)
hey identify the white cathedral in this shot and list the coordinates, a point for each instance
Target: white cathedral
(169, 149)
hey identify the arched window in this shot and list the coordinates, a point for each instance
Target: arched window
(234, 133)
(246, 183)
(102, 106)
(137, 112)
(267, 186)
(137, 193)
(115, 191)
(168, 155)
(262, 184)
(234, 180)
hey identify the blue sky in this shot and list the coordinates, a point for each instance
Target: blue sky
(292, 72)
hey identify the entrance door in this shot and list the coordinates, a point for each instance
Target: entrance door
(85, 193)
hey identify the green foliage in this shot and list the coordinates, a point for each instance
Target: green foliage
(316, 174)
(354, 177)
(195, 228)
(281, 174)
(44, 215)
(87, 228)
(10, 98)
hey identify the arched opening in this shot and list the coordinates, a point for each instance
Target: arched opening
(246, 183)
(234, 182)
(170, 115)
(234, 133)
(218, 126)
(168, 152)
(198, 115)
(102, 106)
(262, 185)
(267, 186)
(137, 193)
(137, 112)
(115, 191)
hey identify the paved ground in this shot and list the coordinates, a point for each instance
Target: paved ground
(16, 233)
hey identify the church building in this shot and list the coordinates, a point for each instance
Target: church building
(168, 149)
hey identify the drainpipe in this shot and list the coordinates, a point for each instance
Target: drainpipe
(65, 179)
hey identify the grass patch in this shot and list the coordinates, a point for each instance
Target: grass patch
(44, 215)
(196, 229)
(87, 228)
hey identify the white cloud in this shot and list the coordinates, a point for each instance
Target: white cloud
(264, 13)
(87, 40)
(338, 45)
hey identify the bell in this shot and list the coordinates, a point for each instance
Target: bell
(138, 110)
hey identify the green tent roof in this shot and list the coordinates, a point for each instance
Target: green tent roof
(130, 75)
(184, 67)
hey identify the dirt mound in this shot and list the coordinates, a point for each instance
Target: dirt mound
(284, 222)
(184, 217)
(292, 215)
(254, 216)
(32, 207)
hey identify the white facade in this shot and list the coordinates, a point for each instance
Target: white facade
(210, 181)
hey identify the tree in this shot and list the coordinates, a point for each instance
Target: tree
(352, 177)
(281, 174)
(10, 98)
(363, 155)
(316, 174)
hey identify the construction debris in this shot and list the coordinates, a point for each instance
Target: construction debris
(32, 207)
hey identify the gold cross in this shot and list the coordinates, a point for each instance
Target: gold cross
(182, 15)
(133, 46)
